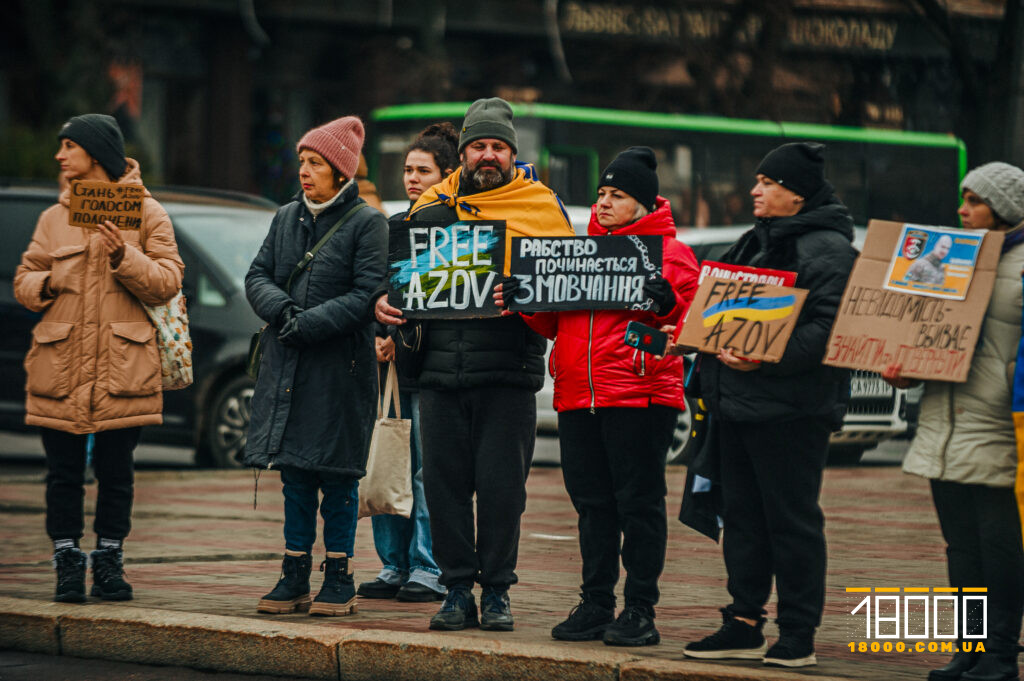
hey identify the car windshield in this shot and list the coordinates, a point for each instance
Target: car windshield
(230, 236)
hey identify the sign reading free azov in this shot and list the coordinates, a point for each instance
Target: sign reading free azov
(445, 271)
(584, 273)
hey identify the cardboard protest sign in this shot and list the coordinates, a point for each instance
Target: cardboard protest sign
(584, 273)
(931, 336)
(753, 320)
(760, 275)
(445, 271)
(934, 261)
(94, 202)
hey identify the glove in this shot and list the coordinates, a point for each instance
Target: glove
(509, 289)
(290, 335)
(289, 311)
(660, 292)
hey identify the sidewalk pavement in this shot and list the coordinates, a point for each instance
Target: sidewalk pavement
(199, 558)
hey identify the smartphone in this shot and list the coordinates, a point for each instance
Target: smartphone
(646, 338)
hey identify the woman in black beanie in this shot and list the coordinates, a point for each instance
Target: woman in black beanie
(774, 420)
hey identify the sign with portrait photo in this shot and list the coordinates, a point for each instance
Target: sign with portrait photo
(934, 261)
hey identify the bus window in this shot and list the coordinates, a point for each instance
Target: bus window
(572, 174)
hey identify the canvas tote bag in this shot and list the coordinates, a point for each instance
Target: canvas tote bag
(387, 487)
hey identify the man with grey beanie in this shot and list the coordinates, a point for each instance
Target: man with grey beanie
(966, 445)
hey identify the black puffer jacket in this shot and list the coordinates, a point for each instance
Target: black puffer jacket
(471, 353)
(314, 406)
(816, 244)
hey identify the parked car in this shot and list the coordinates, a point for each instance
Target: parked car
(218, 234)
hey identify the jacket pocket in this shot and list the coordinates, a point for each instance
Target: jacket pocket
(134, 366)
(68, 269)
(48, 362)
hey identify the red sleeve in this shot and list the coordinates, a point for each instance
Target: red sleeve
(544, 323)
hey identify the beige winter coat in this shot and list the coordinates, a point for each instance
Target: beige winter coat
(965, 431)
(93, 364)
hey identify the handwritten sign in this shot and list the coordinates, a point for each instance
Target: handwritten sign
(931, 337)
(760, 275)
(92, 203)
(584, 273)
(445, 271)
(753, 320)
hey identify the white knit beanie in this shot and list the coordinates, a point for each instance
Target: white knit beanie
(1001, 186)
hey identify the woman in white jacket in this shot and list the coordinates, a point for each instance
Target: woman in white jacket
(965, 443)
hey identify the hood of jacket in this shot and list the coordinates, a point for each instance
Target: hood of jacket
(132, 175)
(660, 221)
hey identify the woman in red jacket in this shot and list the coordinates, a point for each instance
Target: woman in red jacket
(617, 409)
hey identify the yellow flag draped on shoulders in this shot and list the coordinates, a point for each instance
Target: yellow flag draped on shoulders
(527, 206)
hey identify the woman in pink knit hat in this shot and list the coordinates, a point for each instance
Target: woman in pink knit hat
(314, 404)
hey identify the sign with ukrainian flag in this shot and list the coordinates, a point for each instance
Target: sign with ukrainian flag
(752, 319)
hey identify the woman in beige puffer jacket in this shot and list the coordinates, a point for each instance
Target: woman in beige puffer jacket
(94, 366)
(965, 444)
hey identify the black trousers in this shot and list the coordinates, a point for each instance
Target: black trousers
(981, 526)
(477, 441)
(65, 481)
(771, 480)
(613, 464)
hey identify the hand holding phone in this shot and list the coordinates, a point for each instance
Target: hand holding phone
(646, 338)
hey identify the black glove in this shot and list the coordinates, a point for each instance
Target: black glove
(509, 289)
(659, 290)
(289, 311)
(290, 336)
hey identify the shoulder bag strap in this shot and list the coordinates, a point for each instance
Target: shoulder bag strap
(306, 259)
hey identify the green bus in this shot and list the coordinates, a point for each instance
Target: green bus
(705, 164)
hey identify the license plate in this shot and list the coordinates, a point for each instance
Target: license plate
(869, 386)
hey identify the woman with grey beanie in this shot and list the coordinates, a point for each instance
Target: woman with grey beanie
(965, 445)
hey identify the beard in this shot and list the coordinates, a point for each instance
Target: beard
(484, 177)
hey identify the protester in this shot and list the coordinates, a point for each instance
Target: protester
(313, 406)
(774, 420)
(617, 412)
(93, 366)
(965, 442)
(477, 383)
(403, 544)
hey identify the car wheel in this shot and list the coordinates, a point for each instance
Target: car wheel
(845, 455)
(227, 424)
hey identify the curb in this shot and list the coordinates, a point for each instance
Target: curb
(255, 646)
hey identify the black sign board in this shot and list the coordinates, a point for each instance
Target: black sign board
(445, 271)
(584, 273)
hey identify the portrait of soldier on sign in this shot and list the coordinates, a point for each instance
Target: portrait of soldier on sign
(929, 269)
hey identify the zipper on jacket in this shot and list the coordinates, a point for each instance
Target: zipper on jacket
(590, 363)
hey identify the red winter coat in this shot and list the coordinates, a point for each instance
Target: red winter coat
(591, 364)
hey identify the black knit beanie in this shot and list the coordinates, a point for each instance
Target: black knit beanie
(797, 166)
(489, 118)
(633, 171)
(101, 138)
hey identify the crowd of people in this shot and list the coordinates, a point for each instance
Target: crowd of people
(468, 385)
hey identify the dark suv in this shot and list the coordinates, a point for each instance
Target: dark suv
(218, 235)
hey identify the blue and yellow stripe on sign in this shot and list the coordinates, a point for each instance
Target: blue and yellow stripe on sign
(763, 309)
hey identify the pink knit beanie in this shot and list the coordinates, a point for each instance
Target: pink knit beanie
(339, 142)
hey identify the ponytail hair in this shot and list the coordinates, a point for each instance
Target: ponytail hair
(441, 141)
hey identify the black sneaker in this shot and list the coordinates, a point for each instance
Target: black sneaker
(586, 622)
(108, 575)
(495, 610)
(960, 663)
(634, 627)
(70, 564)
(291, 593)
(735, 640)
(792, 650)
(457, 612)
(378, 588)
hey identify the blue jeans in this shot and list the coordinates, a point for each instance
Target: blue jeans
(403, 544)
(340, 507)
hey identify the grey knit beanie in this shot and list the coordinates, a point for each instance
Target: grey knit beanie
(1001, 186)
(489, 118)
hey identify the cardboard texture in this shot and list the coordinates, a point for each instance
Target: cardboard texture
(93, 202)
(753, 320)
(932, 338)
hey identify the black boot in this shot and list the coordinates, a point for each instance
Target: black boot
(292, 591)
(70, 564)
(992, 667)
(338, 594)
(108, 576)
(960, 663)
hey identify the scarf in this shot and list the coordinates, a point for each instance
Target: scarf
(527, 206)
(317, 208)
